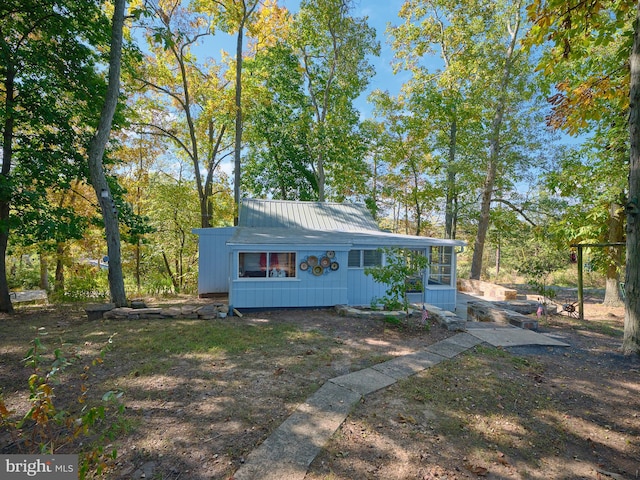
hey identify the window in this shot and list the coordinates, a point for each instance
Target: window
(365, 258)
(355, 258)
(371, 258)
(440, 265)
(266, 264)
(415, 282)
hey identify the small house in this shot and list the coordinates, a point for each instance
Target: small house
(312, 254)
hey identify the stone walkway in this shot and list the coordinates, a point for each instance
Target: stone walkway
(288, 452)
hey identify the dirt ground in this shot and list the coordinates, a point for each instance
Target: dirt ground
(530, 413)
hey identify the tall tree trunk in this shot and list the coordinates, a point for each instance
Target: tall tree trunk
(44, 273)
(246, 13)
(631, 341)
(58, 283)
(5, 184)
(320, 176)
(173, 278)
(449, 215)
(96, 151)
(238, 136)
(612, 295)
(494, 156)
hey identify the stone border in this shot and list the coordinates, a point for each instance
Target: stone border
(445, 318)
(486, 289)
(110, 312)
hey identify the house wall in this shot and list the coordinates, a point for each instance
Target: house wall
(213, 259)
(363, 290)
(218, 267)
(305, 290)
(444, 298)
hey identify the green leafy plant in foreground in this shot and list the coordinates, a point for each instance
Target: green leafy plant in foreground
(47, 429)
(403, 271)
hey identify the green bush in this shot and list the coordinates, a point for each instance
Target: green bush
(402, 268)
(85, 282)
(24, 275)
(46, 428)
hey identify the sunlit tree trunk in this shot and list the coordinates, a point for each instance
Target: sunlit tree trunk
(631, 341)
(449, 213)
(96, 151)
(494, 156)
(44, 272)
(58, 283)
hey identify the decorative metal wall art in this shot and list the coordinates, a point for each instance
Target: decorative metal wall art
(320, 264)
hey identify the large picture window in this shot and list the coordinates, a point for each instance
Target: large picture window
(266, 264)
(440, 265)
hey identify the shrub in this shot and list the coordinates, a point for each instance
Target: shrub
(85, 282)
(402, 268)
(48, 429)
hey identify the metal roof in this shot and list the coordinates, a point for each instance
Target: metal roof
(286, 237)
(285, 223)
(320, 216)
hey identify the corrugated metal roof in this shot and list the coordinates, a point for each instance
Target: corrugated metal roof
(299, 236)
(321, 216)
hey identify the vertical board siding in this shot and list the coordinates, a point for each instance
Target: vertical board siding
(213, 260)
(307, 290)
(444, 298)
(363, 288)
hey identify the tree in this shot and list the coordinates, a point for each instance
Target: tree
(476, 101)
(631, 342)
(407, 150)
(96, 152)
(49, 52)
(277, 163)
(593, 177)
(332, 48)
(173, 214)
(573, 30)
(181, 99)
(304, 137)
(507, 60)
(443, 98)
(234, 16)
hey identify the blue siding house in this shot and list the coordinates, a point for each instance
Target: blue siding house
(311, 254)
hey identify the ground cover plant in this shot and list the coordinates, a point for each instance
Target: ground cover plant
(200, 395)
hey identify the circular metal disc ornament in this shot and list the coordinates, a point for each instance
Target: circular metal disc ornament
(312, 261)
(325, 262)
(334, 266)
(318, 270)
(304, 266)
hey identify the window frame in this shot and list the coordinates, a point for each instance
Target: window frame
(361, 261)
(268, 268)
(441, 265)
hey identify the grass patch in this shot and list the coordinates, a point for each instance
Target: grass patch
(488, 402)
(197, 336)
(613, 328)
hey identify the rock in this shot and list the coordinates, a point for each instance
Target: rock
(96, 311)
(207, 311)
(189, 309)
(172, 312)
